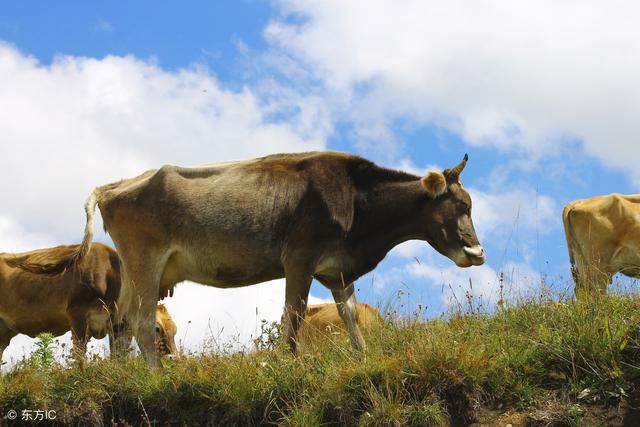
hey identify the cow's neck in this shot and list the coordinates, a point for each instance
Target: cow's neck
(389, 217)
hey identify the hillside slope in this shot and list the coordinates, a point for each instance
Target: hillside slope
(540, 363)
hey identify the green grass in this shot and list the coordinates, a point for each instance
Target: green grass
(540, 354)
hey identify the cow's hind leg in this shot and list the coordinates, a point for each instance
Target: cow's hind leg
(295, 304)
(120, 333)
(142, 313)
(79, 336)
(141, 271)
(145, 331)
(345, 299)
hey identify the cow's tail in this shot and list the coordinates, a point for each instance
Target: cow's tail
(90, 210)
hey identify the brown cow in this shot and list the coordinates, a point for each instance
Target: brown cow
(603, 235)
(323, 319)
(38, 293)
(324, 215)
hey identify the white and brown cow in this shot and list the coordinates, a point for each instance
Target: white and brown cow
(324, 215)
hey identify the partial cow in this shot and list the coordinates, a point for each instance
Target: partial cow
(321, 320)
(42, 291)
(603, 237)
(324, 215)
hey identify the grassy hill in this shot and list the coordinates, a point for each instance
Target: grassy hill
(542, 362)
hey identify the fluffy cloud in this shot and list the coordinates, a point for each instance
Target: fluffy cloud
(81, 122)
(506, 75)
(519, 210)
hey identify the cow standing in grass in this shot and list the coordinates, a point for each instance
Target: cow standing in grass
(322, 320)
(603, 235)
(323, 215)
(44, 291)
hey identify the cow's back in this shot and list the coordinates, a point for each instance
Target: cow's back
(235, 198)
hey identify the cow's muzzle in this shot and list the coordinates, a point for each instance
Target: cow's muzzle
(473, 255)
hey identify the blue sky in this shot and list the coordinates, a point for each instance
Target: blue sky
(544, 97)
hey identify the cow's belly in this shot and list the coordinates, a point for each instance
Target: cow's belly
(34, 325)
(222, 268)
(32, 316)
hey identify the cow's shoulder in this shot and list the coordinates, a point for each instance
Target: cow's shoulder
(339, 178)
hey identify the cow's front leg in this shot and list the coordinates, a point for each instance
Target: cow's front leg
(120, 337)
(5, 337)
(79, 337)
(295, 304)
(592, 281)
(345, 299)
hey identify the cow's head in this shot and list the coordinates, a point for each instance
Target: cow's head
(165, 332)
(449, 228)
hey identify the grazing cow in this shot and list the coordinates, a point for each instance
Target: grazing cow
(603, 235)
(324, 215)
(41, 291)
(323, 319)
(165, 332)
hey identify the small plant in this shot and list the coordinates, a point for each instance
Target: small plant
(270, 336)
(43, 356)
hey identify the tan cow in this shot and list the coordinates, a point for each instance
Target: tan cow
(41, 292)
(603, 237)
(324, 215)
(321, 320)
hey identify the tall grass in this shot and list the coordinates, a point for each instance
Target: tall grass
(541, 354)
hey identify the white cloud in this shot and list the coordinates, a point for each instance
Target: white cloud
(513, 211)
(83, 122)
(507, 75)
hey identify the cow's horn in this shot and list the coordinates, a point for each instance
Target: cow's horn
(458, 169)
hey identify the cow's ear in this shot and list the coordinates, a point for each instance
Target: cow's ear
(435, 183)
